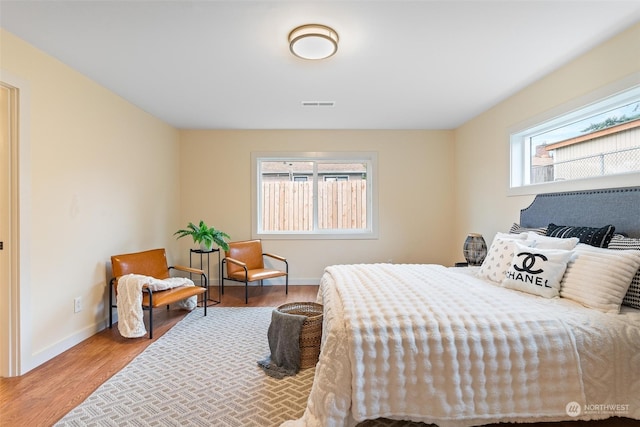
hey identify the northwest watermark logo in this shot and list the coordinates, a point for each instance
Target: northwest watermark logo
(574, 409)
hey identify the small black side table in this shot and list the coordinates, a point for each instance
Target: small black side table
(208, 253)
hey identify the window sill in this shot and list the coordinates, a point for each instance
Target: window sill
(611, 181)
(316, 236)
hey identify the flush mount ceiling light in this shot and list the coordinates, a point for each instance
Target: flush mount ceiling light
(313, 41)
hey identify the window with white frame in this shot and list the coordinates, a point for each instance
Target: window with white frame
(314, 195)
(596, 140)
(336, 178)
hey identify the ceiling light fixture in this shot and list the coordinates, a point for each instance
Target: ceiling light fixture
(313, 41)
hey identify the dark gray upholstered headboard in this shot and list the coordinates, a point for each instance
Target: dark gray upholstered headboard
(589, 208)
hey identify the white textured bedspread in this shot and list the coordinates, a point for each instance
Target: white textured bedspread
(427, 343)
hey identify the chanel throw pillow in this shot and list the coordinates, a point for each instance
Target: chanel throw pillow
(537, 271)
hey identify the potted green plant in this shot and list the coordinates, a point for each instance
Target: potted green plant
(204, 235)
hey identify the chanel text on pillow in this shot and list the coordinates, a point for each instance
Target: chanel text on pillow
(537, 271)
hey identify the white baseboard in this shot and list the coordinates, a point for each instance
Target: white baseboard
(276, 282)
(60, 347)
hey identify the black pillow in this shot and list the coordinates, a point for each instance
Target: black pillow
(598, 237)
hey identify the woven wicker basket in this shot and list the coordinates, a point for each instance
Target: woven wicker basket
(311, 332)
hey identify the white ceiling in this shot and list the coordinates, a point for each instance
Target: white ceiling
(400, 64)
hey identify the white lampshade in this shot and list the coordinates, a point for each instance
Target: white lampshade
(313, 41)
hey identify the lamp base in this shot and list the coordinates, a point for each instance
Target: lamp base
(474, 249)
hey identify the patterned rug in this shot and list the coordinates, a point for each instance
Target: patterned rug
(202, 372)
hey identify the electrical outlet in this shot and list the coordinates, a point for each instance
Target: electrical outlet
(77, 304)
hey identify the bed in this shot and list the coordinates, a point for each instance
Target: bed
(453, 347)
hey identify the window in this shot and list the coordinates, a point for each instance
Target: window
(596, 140)
(314, 195)
(336, 178)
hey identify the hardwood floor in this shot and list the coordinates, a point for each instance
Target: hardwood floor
(44, 395)
(47, 393)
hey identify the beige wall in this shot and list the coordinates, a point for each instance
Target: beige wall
(104, 180)
(415, 193)
(94, 189)
(482, 144)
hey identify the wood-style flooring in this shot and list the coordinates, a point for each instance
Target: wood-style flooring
(44, 395)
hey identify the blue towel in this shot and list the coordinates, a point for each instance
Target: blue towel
(284, 343)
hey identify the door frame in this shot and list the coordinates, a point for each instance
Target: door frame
(15, 297)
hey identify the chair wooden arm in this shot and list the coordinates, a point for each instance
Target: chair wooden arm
(236, 262)
(205, 279)
(278, 257)
(187, 269)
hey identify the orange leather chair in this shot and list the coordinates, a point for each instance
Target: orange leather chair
(244, 262)
(153, 263)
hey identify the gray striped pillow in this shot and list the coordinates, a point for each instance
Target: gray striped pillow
(618, 241)
(517, 229)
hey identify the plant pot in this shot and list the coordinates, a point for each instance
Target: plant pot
(205, 247)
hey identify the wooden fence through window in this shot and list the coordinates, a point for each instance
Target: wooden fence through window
(288, 205)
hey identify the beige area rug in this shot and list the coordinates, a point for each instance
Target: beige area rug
(203, 372)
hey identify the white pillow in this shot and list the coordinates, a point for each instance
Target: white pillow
(537, 271)
(513, 236)
(598, 277)
(546, 242)
(499, 256)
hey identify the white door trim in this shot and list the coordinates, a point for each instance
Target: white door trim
(15, 298)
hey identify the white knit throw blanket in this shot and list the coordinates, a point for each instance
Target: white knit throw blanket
(130, 314)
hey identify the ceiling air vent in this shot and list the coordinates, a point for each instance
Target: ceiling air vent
(318, 103)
